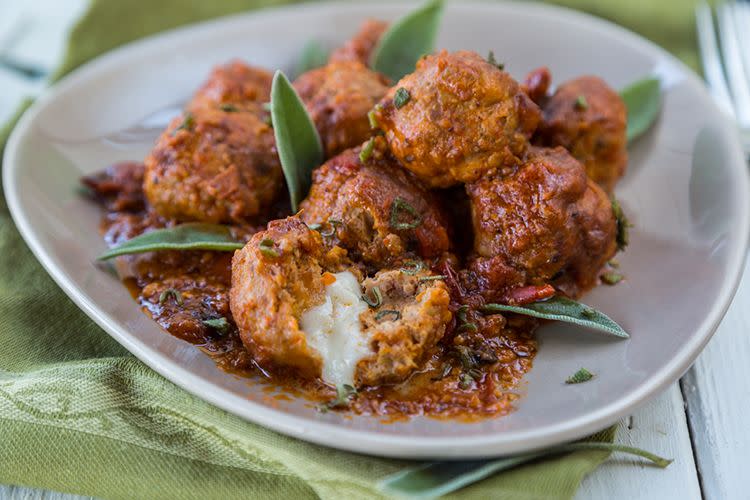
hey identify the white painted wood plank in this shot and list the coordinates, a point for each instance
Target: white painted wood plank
(659, 427)
(717, 391)
(19, 493)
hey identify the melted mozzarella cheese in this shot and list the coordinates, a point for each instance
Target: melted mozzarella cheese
(334, 330)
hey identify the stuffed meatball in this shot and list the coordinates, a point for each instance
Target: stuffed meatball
(375, 209)
(545, 223)
(300, 304)
(457, 118)
(589, 119)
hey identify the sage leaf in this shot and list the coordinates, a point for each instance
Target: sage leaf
(566, 310)
(191, 236)
(313, 55)
(643, 101)
(408, 39)
(434, 479)
(297, 139)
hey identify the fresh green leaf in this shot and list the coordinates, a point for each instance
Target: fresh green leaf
(434, 479)
(297, 140)
(407, 40)
(191, 236)
(563, 309)
(314, 55)
(643, 101)
(582, 375)
(344, 394)
(221, 325)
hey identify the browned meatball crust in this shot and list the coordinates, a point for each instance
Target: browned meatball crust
(545, 223)
(361, 46)
(588, 118)
(212, 165)
(464, 118)
(379, 211)
(338, 97)
(234, 83)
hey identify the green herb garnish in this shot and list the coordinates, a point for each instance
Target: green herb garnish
(566, 310)
(332, 223)
(399, 207)
(366, 152)
(623, 226)
(297, 139)
(190, 236)
(401, 46)
(388, 312)
(491, 59)
(643, 101)
(465, 380)
(229, 108)
(171, 292)
(188, 123)
(447, 368)
(372, 118)
(412, 267)
(401, 97)
(581, 102)
(582, 375)
(611, 278)
(344, 394)
(221, 325)
(266, 247)
(376, 300)
(432, 278)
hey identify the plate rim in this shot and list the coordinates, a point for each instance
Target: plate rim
(364, 441)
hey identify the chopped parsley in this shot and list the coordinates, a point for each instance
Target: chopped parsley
(388, 312)
(623, 226)
(581, 102)
(376, 300)
(187, 123)
(491, 59)
(344, 394)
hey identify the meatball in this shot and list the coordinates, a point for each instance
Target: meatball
(589, 119)
(234, 83)
(214, 165)
(360, 47)
(375, 209)
(457, 118)
(300, 305)
(338, 97)
(545, 223)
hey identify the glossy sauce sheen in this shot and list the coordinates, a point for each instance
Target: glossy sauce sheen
(446, 388)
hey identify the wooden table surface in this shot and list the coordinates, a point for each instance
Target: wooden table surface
(700, 422)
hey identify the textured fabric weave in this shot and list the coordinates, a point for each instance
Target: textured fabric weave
(79, 414)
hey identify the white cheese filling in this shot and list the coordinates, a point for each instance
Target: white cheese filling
(334, 330)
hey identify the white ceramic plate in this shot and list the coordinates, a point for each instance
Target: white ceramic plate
(686, 190)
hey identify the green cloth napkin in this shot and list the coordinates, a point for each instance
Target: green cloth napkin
(79, 414)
